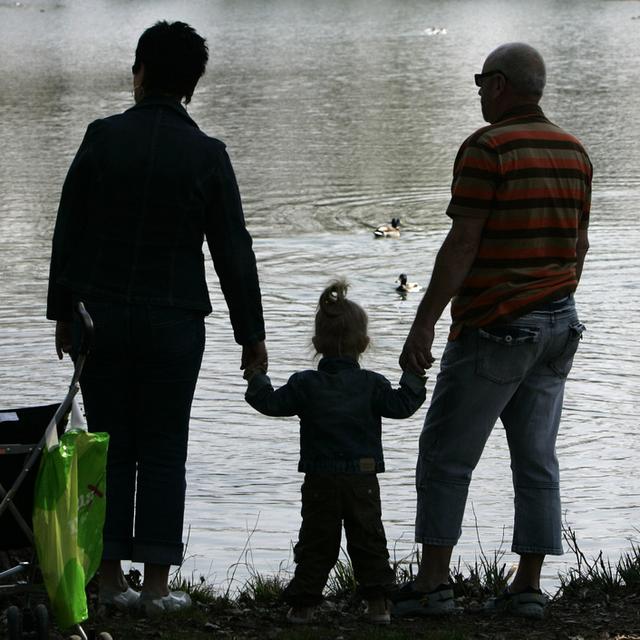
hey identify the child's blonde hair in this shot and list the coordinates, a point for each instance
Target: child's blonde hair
(341, 325)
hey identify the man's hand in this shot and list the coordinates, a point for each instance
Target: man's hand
(416, 354)
(254, 356)
(64, 338)
(453, 263)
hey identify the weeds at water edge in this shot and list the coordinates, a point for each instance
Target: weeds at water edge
(488, 575)
(342, 580)
(598, 576)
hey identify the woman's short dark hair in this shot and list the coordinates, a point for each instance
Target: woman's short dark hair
(174, 58)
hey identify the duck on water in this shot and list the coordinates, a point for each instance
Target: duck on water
(390, 230)
(405, 286)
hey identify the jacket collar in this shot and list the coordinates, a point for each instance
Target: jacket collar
(167, 102)
(331, 364)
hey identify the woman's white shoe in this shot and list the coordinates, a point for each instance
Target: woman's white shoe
(122, 600)
(155, 605)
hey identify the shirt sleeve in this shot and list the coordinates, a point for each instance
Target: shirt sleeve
(402, 402)
(231, 249)
(476, 174)
(272, 402)
(69, 229)
(586, 204)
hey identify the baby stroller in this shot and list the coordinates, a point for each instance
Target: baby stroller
(25, 430)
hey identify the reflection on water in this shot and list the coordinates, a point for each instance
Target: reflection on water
(338, 116)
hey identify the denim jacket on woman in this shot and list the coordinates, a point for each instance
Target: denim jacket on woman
(340, 407)
(145, 189)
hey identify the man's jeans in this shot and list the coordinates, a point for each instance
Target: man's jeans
(516, 373)
(137, 385)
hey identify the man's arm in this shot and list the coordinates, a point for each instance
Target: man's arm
(582, 246)
(453, 262)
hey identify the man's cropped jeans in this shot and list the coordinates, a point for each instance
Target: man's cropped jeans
(517, 373)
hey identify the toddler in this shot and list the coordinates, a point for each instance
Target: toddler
(340, 407)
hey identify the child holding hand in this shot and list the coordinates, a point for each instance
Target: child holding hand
(340, 407)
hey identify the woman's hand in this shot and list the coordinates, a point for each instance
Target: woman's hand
(64, 338)
(249, 373)
(254, 356)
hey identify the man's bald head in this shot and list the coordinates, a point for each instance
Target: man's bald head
(523, 67)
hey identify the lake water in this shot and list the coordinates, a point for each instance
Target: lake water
(338, 115)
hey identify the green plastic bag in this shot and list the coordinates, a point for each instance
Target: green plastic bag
(68, 518)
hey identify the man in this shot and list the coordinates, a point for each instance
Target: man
(144, 191)
(511, 262)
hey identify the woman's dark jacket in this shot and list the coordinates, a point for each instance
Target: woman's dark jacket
(340, 408)
(143, 192)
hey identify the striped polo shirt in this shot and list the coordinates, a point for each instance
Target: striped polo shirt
(531, 182)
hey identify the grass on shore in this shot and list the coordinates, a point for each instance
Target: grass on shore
(598, 576)
(587, 592)
(592, 591)
(487, 576)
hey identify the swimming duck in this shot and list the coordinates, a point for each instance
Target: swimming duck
(406, 287)
(435, 31)
(391, 230)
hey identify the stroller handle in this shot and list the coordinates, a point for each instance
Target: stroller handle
(87, 329)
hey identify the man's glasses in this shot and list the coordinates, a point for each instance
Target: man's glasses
(479, 77)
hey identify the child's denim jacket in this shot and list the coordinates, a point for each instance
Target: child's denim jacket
(340, 408)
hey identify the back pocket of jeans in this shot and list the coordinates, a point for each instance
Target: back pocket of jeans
(561, 364)
(505, 354)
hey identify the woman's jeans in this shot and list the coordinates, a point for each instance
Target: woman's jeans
(137, 385)
(516, 373)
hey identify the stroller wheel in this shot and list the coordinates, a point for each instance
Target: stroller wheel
(41, 616)
(14, 623)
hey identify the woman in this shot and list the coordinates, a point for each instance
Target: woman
(143, 192)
